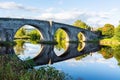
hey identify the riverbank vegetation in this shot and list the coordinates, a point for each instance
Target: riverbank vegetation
(29, 34)
(110, 52)
(110, 35)
(109, 38)
(11, 68)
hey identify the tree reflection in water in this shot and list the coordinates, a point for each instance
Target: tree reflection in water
(19, 48)
(27, 50)
(81, 46)
(110, 52)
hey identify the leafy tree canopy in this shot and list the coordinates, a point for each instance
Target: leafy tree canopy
(107, 30)
(20, 32)
(117, 32)
(35, 35)
(81, 24)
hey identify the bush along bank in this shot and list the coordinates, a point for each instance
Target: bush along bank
(11, 68)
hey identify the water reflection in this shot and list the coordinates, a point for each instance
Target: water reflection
(27, 50)
(43, 54)
(71, 52)
(19, 47)
(77, 59)
(81, 46)
(110, 52)
(60, 48)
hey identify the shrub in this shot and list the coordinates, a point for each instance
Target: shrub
(11, 68)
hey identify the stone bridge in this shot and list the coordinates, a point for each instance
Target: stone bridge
(48, 55)
(9, 27)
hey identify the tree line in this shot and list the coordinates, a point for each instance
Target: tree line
(106, 31)
(33, 34)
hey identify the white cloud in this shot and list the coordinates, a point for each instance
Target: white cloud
(61, 16)
(11, 5)
(46, 16)
(15, 6)
(49, 9)
(94, 59)
(92, 18)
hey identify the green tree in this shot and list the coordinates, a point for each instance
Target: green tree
(19, 47)
(34, 35)
(20, 33)
(61, 37)
(117, 33)
(107, 52)
(107, 30)
(117, 53)
(81, 24)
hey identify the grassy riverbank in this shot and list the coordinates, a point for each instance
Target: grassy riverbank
(109, 42)
(11, 68)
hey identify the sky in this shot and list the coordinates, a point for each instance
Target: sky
(95, 13)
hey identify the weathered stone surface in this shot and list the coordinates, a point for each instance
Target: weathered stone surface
(9, 26)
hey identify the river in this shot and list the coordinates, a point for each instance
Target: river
(83, 61)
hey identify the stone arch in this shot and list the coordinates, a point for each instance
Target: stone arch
(64, 42)
(30, 26)
(64, 29)
(67, 32)
(35, 26)
(67, 28)
(81, 36)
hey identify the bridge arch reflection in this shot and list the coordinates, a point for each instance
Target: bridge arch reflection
(47, 54)
(81, 46)
(50, 56)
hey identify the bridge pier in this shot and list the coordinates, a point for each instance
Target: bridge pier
(2, 36)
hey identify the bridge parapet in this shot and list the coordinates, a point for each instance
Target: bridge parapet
(9, 26)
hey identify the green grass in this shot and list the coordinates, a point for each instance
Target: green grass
(11, 68)
(109, 42)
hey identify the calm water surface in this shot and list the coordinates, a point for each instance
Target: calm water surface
(97, 65)
(93, 67)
